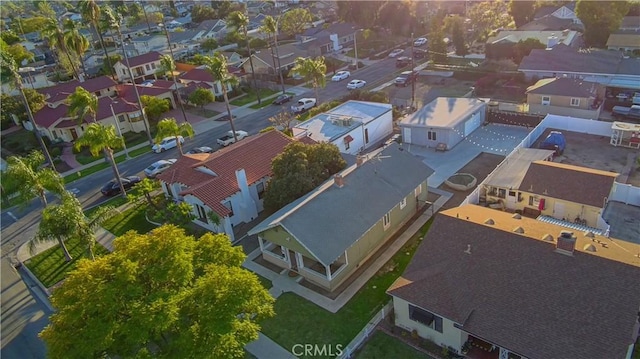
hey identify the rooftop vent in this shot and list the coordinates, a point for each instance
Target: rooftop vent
(489, 221)
(589, 247)
(566, 243)
(547, 237)
(518, 230)
(589, 234)
(516, 216)
(468, 251)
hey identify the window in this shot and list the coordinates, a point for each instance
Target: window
(148, 67)
(153, 65)
(366, 135)
(575, 102)
(426, 318)
(502, 193)
(386, 220)
(121, 118)
(418, 190)
(202, 214)
(229, 207)
(124, 72)
(403, 203)
(260, 189)
(546, 100)
(431, 135)
(97, 93)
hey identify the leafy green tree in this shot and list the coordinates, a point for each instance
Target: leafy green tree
(295, 21)
(240, 22)
(67, 220)
(600, 19)
(522, 11)
(457, 37)
(159, 294)
(74, 41)
(145, 187)
(217, 67)
(201, 97)
(209, 45)
(282, 121)
(55, 37)
(82, 104)
(106, 69)
(200, 13)
(154, 107)
(299, 169)
(523, 48)
(30, 24)
(169, 127)
(10, 37)
(401, 25)
(91, 13)
(102, 138)
(437, 47)
(26, 177)
(313, 70)
(18, 52)
(488, 15)
(223, 8)
(13, 105)
(270, 27)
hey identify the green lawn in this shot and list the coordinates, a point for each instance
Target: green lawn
(383, 346)
(133, 218)
(265, 282)
(252, 97)
(50, 266)
(300, 321)
(202, 112)
(100, 166)
(114, 202)
(266, 103)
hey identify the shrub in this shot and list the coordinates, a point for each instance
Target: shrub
(258, 43)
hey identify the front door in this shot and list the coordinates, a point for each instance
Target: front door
(74, 134)
(293, 261)
(511, 199)
(558, 210)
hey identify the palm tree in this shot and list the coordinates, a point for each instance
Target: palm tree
(313, 70)
(75, 41)
(270, 27)
(89, 226)
(90, 11)
(103, 138)
(82, 103)
(240, 22)
(217, 66)
(169, 127)
(167, 65)
(113, 19)
(8, 62)
(56, 40)
(30, 180)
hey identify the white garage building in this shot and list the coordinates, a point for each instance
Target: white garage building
(444, 121)
(354, 126)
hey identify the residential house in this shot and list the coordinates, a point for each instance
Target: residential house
(609, 68)
(161, 89)
(444, 122)
(630, 23)
(566, 97)
(263, 61)
(100, 86)
(234, 58)
(327, 234)
(625, 42)
(229, 183)
(202, 75)
(491, 284)
(503, 43)
(551, 23)
(212, 29)
(36, 79)
(148, 43)
(548, 189)
(128, 33)
(143, 67)
(319, 40)
(353, 126)
(566, 11)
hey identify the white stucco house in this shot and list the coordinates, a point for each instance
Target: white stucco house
(353, 127)
(143, 67)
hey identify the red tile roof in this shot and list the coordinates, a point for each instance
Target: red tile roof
(253, 154)
(47, 116)
(127, 92)
(142, 59)
(198, 75)
(61, 91)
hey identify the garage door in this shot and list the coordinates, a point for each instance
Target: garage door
(406, 135)
(471, 124)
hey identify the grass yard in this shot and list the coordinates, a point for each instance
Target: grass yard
(100, 166)
(50, 266)
(202, 112)
(265, 282)
(266, 103)
(383, 346)
(300, 321)
(131, 219)
(252, 97)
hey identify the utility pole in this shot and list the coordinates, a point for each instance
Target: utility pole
(413, 83)
(275, 41)
(173, 76)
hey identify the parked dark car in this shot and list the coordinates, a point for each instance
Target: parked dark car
(406, 78)
(203, 149)
(112, 188)
(420, 54)
(225, 117)
(403, 61)
(282, 99)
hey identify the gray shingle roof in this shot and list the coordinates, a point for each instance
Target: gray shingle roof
(517, 292)
(329, 220)
(564, 87)
(562, 58)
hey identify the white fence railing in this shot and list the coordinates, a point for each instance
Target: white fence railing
(625, 193)
(365, 332)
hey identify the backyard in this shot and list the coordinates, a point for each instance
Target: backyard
(383, 346)
(300, 321)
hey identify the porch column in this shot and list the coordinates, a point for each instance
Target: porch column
(261, 242)
(299, 260)
(328, 270)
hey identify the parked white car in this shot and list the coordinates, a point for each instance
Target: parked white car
(158, 167)
(356, 84)
(341, 75)
(167, 143)
(303, 105)
(228, 139)
(420, 41)
(396, 52)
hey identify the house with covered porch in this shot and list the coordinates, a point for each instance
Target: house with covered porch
(489, 284)
(566, 97)
(326, 235)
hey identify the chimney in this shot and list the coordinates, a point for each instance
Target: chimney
(339, 180)
(359, 160)
(566, 243)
